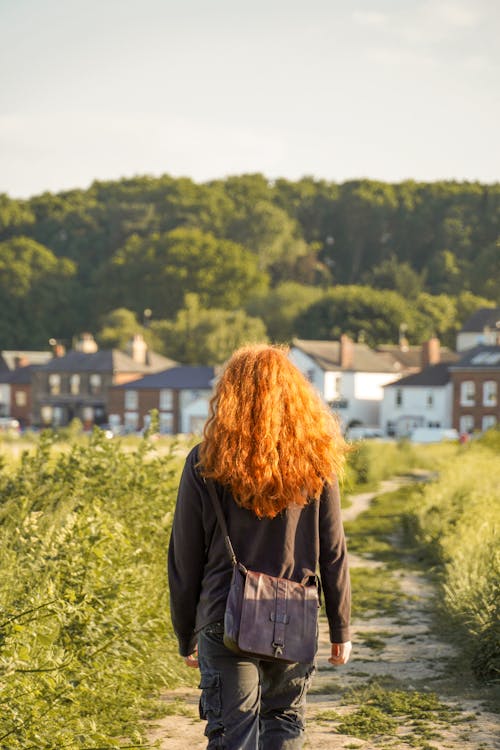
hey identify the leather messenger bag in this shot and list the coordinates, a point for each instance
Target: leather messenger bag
(267, 617)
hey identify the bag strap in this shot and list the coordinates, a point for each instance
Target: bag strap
(220, 518)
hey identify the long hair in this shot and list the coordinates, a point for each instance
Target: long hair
(269, 437)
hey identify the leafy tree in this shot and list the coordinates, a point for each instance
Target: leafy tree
(157, 271)
(467, 303)
(436, 315)
(205, 336)
(358, 311)
(400, 277)
(280, 307)
(36, 293)
(118, 327)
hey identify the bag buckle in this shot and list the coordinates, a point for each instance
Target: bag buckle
(278, 649)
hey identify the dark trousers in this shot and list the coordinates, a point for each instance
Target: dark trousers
(250, 704)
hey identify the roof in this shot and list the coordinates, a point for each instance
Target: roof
(181, 377)
(8, 358)
(485, 317)
(105, 360)
(481, 357)
(431, 377)
(411, 357)
(22, 375)
(326, 354)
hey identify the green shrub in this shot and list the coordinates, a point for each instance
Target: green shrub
(85, 640)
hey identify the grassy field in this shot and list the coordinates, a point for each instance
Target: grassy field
(85, 639)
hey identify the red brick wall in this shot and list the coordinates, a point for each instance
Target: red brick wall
(478, 411)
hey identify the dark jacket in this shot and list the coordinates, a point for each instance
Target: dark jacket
(293, 545)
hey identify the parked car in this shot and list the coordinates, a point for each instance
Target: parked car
(432, 435)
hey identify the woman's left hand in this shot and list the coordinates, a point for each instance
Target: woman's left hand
(192, 659)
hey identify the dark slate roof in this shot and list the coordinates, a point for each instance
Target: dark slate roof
(432, 376)
(105, 360)
(326, 354)
(481, 357)
(486, 317)
(182, 377)
(22, 375)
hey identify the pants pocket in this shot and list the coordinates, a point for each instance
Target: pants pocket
(210, 699)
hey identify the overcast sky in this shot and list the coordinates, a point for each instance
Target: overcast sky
(386, 89)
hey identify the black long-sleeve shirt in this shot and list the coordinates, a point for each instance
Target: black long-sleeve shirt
(292, 545)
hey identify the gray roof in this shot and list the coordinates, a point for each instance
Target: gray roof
(485, 317)
(177, 378)
(432, 376)
(106, 360)
(326, 354)
(411, 357)
(481, 357)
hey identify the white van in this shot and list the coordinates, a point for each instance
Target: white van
(432, 435)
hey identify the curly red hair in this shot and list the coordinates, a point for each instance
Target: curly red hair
(269, 437)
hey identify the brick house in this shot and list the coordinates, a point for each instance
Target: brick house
(77, 384)
(180, 394)
(476, 389)
(15, 383)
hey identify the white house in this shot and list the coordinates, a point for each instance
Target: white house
(349, 376)
(423, 399)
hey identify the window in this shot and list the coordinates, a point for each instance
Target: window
(95, 383)
(430, 399)
(74, 384)
(399, 397)
(54, 384)
(131, 400)
(21, 398)
(58, 416)
(87, 414)
(167, 399)
(166, 423)
(488, 421)
(46, 414)
(467, 423)
(131, 421)
(467, 393)
(490, 393)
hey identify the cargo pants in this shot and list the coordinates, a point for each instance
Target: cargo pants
(250, 704)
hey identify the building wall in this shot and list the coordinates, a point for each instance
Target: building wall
(466, 340)
(415, 409)
(4, 399)
(309, 369)
(477, 411)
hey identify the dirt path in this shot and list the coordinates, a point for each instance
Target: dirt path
(401, 653)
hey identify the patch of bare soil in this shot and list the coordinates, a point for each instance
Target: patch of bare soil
(401, 653)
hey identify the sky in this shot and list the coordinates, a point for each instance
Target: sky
(383, 89)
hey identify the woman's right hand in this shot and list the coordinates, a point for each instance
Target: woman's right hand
(340, 653)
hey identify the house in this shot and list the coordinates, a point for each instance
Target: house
(349, 376)
(77, 384)
(476, 389)
(180, 394)
(15, 382)
(422, 399)
(483, 327)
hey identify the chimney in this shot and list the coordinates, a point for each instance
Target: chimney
(431, 352)
(86, 344)
(59, 350)
(346, 352)
(138, 349)
(21, 361)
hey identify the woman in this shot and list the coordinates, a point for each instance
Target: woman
(275, 453)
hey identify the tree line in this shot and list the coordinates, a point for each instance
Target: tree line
(245, 258)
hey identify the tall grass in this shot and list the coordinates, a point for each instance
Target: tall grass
(459, 521)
